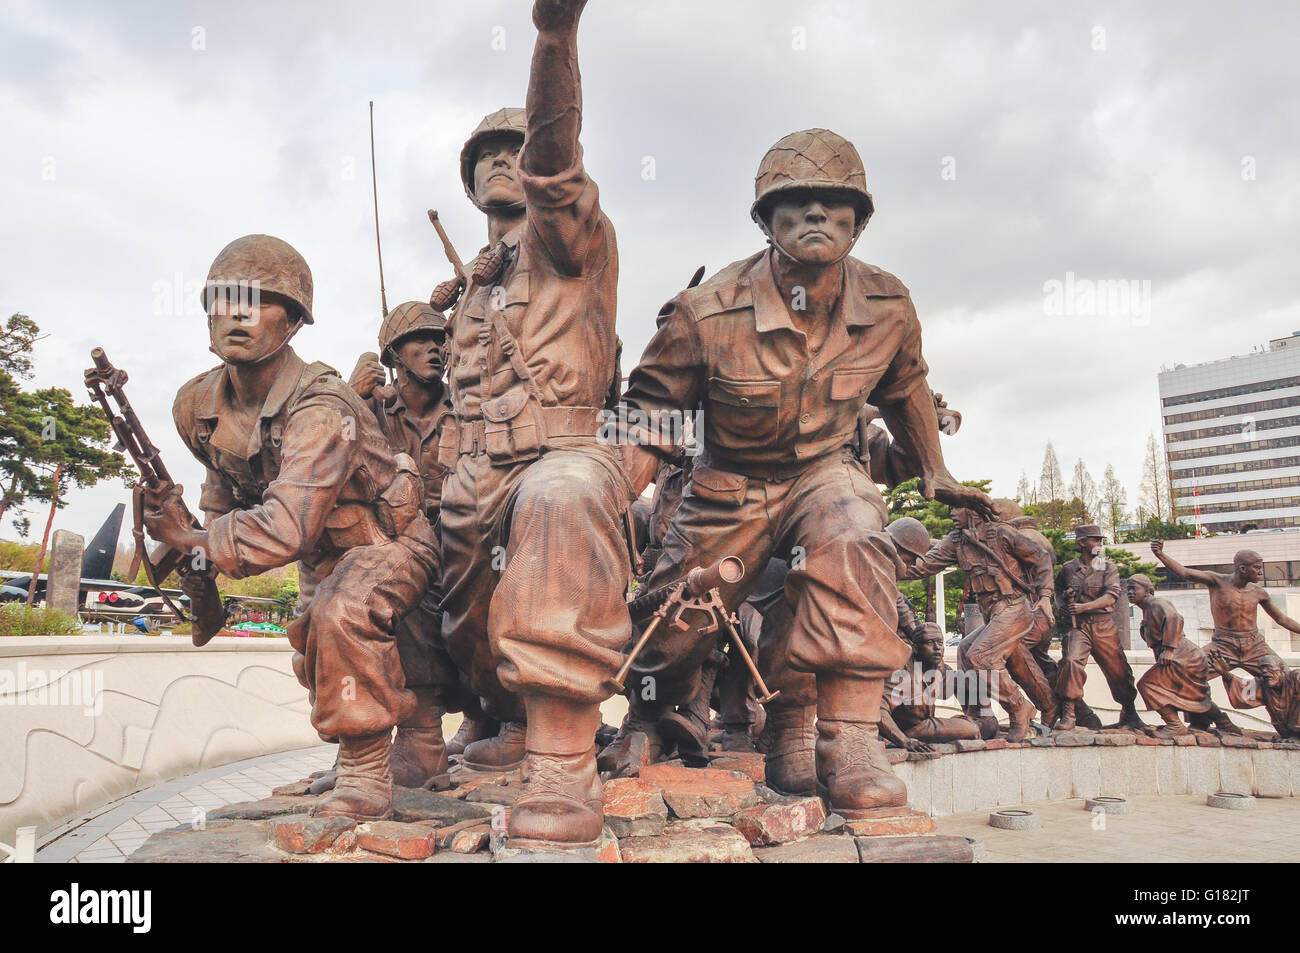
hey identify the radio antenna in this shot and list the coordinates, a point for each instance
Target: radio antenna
(374, 188)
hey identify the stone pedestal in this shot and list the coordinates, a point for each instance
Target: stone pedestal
(63, 590)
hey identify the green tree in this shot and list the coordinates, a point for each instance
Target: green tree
(42, 431)
(1155, 528)
(1128, 564)
(18, 337)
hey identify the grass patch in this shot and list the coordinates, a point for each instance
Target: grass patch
(19, 619)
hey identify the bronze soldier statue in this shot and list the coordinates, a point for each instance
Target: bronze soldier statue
(781, 351)
(1086, 589)
(909, 720)
(414, 414)
(298, 469)
(1178, 681)
(536, 561)
(789, 736)
(1039, 639)
(1009, 574)
(1235, 601)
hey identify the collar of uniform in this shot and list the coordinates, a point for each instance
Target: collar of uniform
(770, 311)
(217, 398)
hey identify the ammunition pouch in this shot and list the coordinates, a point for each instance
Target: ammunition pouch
(509, 434)
(369, 524)
(517, 428)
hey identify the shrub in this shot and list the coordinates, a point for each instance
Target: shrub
(19, 619)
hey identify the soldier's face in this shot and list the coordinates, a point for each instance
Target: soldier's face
(963, 517)
(1090, 546)
(496, 172)
(244, 329)
(814, 228)
(930, 649)
(421, 353)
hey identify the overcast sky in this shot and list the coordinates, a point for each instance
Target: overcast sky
(1006, 145)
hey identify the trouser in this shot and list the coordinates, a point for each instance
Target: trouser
(427, 664)
(1230, 649)
(1025, 667)
(828, 522)
(1095, 634)
(934, 730)
(536, 570)
(345, 639)
(987, 649)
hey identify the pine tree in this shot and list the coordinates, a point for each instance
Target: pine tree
(1113, 503)
(1051, 485)
(1153, 493)
(1024, 492)
(1084, 489)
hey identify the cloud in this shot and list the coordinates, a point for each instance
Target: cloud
(1096, 139)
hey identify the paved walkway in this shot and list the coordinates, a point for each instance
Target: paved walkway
(112, 833)
(1159, 829)
(1180, 828)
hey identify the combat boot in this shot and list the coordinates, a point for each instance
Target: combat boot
(688, 726)
(622, 757)
(789, 742)
(560, 804)
(364, 790)
(1066, 722)
(853, 773)
(1020, 725)
(738, 739)
(501, 753)
(1173, 726)
(1085, 716)
(472, 728)
(1129, 718)
(419, 753)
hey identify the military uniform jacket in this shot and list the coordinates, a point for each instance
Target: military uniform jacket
(1088, 584)
(1019, 558)
(556, 297)
(770, 402)
(314, 478)
(406, 435)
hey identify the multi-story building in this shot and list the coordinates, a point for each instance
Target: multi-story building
(1232, 439)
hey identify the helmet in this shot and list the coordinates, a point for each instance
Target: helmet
(909, 535)
(267, 263)
(1007, 510)
(406, 319)
(508, 121)
(811, 159)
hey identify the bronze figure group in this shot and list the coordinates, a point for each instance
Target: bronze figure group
(469, 535)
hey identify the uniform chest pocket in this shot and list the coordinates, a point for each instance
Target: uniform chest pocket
(742, 414)
(850, 382)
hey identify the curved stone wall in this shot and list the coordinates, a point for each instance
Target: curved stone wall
(975, 780)
(85, 720)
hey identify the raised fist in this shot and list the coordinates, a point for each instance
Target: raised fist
(367, 375)
(556, 14)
